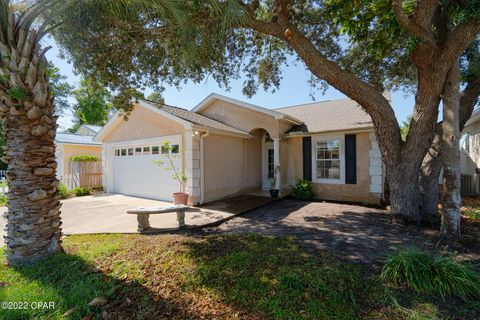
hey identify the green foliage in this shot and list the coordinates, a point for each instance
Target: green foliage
(473, 213)
(84, 158)
(169, 164)
(60, 88)
(3, 200)
(431, 273)
(156, 97)
(92, 106)
(303, 190)
(16, 93)
(80, 191)
(405, 127)
(63, 191)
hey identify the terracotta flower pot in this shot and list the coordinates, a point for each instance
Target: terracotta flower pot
(180, 198)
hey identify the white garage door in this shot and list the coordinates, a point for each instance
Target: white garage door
(136, 174)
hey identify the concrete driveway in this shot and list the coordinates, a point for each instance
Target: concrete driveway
(108, 214)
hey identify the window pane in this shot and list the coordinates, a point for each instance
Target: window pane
(124, 152)
(138, 151)
(155, 150)
(130, 151)
(175, 148)
(146, 150)
(164, 150)
(117, 152)
(328, 159)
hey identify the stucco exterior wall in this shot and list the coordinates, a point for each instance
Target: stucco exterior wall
(292, 170)
(143, 124)
(244, 119)
(232, 166)
(78, 150)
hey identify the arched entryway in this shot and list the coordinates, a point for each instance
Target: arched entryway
(268, 157)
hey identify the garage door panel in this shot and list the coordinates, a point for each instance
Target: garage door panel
(138, 175)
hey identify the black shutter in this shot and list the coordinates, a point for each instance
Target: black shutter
(307, 158)
(350, 159)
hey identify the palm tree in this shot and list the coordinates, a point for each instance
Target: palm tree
(27, 113)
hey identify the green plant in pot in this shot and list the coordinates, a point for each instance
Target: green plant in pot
(274, 190)
(168, 163)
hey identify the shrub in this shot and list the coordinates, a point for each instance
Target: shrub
(3, 200)
(63, 190)
(79, 191)
(84, 158)
(303, 190)
(431, 273)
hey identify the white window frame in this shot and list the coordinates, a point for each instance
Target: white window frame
(321, 138)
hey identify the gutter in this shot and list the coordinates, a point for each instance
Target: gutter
(202, 166)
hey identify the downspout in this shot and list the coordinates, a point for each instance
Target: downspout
(202, 166)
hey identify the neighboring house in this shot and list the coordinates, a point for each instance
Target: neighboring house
(76, 144)
(228, 147)
(470, 156)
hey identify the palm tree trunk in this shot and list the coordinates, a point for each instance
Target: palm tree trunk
(29, 125)
(33, 217)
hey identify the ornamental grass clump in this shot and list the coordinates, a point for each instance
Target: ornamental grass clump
(431, 273)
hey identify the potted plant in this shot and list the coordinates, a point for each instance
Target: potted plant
(180, 197)
(273, 182)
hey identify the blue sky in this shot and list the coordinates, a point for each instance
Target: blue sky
(294, 89)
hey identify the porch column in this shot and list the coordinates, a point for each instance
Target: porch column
(276, 161)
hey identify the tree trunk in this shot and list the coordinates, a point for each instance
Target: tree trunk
(29, 126)
(451, 156)
(404, 193)
(428, 182)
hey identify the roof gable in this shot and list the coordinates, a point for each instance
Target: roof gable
(273, 113)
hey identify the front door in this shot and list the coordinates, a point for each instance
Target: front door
(269, 167)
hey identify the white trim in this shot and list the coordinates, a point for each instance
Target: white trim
(117, 117)
(215, 96)
(322, 137)
(202, 166)
(141, 141)
(276, 162)
(78, 144)
(296, 134)
(222, 132)
(375, 169)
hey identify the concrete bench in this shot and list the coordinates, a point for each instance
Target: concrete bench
(143, 215)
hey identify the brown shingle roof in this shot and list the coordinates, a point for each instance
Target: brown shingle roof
(333, 115)
(196, 118)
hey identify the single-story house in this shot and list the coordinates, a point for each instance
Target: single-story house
(229, 147)
(470, 156)
(80, 143)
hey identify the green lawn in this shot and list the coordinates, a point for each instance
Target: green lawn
(214, 277)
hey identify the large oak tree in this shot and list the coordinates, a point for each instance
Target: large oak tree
(256, 37)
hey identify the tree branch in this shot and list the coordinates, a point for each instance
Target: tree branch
(424, 13)
(412, 26)
(458, 40)
(371, 100)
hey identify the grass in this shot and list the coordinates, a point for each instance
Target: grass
(426, 272)
(214, 277)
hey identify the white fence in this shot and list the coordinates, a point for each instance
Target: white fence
(71, 181)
